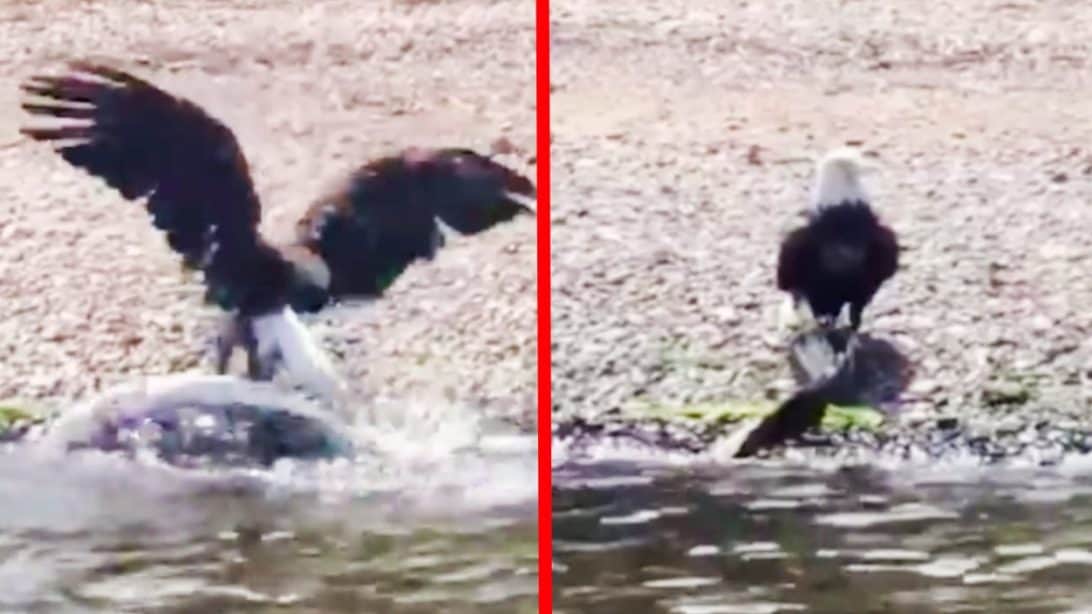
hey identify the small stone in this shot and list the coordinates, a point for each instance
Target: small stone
(502, 146)
(947, 424)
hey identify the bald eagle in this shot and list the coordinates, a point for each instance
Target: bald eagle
(352, 243)
(844, 253)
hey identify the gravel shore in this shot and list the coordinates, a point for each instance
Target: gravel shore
(92, 295)
(683, 139)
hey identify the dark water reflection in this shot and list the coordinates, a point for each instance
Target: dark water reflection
(764, 538)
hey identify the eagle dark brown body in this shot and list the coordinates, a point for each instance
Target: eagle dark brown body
(146, 143)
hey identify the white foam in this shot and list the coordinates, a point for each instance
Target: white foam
(421, 456)
(78, 422)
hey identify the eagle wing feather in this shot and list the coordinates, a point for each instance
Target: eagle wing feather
(386, 215)
(145, 142)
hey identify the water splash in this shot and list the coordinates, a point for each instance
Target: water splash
(418, 457)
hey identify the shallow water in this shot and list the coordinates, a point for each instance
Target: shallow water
(438, 517)
(643, 535)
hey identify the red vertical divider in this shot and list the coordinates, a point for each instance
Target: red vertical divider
(545, 525)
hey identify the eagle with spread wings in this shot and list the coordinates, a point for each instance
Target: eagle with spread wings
(189, 169)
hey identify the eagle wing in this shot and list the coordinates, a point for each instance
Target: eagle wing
(883, 255)
(795, 259)
(144, 142)
(385, 216)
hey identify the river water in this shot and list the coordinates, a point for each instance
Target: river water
(439, 517)
(804, 534)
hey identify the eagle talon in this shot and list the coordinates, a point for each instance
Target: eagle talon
(229, 337)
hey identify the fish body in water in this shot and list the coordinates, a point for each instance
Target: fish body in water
(202, 421)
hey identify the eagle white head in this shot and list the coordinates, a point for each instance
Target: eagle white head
(838, 178)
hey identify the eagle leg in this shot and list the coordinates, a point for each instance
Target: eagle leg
(237, 331)
(231, 335)
(855, 312)
(260, 366)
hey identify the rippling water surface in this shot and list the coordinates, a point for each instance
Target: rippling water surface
(637, 535)
(438, 518)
